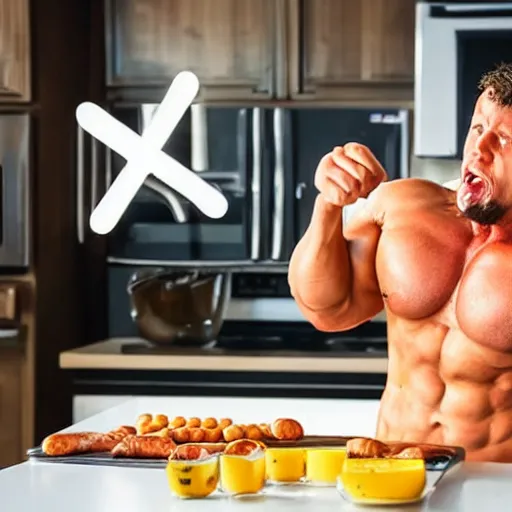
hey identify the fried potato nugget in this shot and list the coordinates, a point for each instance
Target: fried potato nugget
(287, 429)
(232, 433)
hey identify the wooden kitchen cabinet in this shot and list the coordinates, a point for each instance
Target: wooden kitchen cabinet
(14, 51)
(228, 44)
(341, 50)
(11, 431)
(347, 50)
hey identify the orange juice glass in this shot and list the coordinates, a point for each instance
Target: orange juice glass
(193, 478)
(242, 474)
(285, 465)
(323, 465)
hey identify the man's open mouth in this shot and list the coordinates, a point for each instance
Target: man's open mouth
(475, 189)
(473, 179)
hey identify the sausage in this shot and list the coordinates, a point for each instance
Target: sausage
(365, 448)
(372, 448)
(147, 447)
(84, 442)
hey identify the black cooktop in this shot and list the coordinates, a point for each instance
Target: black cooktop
(290, 339)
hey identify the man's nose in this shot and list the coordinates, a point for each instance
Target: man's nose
(486, 144)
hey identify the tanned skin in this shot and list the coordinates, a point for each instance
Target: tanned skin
(439, 262)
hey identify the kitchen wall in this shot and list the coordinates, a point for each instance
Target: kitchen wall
(435, 169)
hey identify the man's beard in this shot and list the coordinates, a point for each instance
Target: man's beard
(487, 214)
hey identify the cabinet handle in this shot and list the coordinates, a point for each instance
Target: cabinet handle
(256, 184)
(80, 226)
(299, 190)
(278, 224)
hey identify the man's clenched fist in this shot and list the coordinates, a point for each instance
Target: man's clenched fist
(348, 173)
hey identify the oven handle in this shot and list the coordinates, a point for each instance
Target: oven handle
(116, 383)
(256, 184)
(278, 222)
(80, 176)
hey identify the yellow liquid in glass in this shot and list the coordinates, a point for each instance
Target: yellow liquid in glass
(189, 479)
(242, 475)
(285, 464)
(386, 479)
(323, 465)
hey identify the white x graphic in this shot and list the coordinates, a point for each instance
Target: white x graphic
(144, 156)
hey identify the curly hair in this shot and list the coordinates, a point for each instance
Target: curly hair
(498, 83)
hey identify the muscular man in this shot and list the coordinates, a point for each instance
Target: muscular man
(440, 263)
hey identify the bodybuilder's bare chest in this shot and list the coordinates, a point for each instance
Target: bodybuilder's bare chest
(423, 274)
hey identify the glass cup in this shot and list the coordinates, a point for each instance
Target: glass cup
(193, 478)
(383, 481)
(323, 465)
(242, 475)
(285, 465)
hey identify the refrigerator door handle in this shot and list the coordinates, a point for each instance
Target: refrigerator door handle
(279, 177)
(256, 184)
(94, 173)
(80, 185)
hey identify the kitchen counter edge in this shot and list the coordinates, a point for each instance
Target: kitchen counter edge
(108, 354)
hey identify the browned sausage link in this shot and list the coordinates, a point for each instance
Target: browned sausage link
(150, 447)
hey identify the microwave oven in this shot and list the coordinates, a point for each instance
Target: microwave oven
(455, 44)
(263, 160)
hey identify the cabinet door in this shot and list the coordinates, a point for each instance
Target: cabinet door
(10, 410)
(342, 49)
(14, 51)
(227, 43)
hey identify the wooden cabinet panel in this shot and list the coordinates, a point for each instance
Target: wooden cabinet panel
(14, 51)
(227, 43)
(352, 50)
(388, 51)
(10, 411)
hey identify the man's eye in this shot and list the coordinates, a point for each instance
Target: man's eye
(478, 128)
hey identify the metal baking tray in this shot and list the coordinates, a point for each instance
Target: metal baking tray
(440, 464)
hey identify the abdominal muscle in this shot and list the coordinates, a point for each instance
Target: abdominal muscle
(442, 388)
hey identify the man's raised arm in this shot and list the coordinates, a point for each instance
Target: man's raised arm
(332, 270)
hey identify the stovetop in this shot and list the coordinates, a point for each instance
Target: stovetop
(288, 340)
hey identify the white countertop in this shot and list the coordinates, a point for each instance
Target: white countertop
(107, 355)
(45, 487)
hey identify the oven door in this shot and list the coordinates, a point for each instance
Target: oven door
(14, 190)
(160, 226)
(455, 44)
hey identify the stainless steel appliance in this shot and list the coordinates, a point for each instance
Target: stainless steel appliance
(261, 317)
(14, 191)
(262, 322)
(263, 159)
(456, 42)
(184, 307)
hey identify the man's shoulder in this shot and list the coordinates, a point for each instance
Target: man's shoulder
(408, 192)
(408, 186)
(397, 199)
